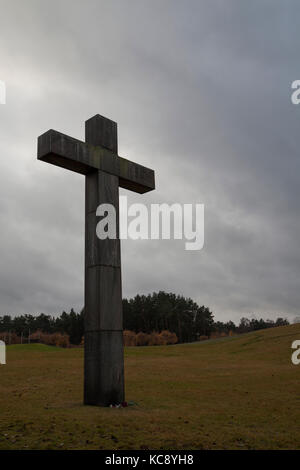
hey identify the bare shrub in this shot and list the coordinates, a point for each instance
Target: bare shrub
(155, 339)
(152, 339)
(129, 338)
(167, 337)
(36, 336)
(218, 334)
(10, 338)
(142, 339)
(203, 338)
(53, 339)
(63, 341)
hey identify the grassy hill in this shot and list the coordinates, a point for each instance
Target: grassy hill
(234, 393)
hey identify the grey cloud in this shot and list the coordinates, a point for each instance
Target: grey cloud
(201, 93)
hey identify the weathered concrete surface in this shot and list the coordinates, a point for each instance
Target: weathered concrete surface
(104, 171)
(72, 154)
(104, 368)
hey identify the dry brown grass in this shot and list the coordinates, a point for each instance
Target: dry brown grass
(233, 393)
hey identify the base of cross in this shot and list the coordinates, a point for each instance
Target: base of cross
(103, 368)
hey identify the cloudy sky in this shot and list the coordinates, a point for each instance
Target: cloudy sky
(201, 91)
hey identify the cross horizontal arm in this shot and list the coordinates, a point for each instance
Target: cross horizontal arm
(75, 155)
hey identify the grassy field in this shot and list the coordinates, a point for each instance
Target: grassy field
(234, 393)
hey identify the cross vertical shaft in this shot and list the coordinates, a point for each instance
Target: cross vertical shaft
(103, 340)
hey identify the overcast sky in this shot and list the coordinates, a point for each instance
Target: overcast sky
(201, 91)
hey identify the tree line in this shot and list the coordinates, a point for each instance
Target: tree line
(67, 323)
(155, 312)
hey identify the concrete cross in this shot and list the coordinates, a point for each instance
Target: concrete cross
(97, 158)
